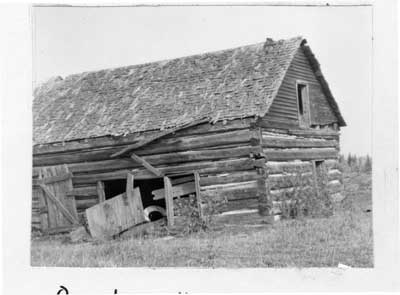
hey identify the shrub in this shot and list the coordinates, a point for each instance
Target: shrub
(304, 197)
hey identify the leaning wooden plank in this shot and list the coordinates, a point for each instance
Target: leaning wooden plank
(60, 205)
(109, 218)
(169, 204)
(153, 138)
(177, 191)
(137, 204)
(300, 154)
(100, 191)
(147, 165)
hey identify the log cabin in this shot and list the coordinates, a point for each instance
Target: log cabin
(225, 127)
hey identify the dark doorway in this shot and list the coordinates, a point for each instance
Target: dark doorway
(114, 187)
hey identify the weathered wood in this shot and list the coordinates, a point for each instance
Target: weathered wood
(83, 204)
(56, 218)
(172, 145)
(225, 178)
(51, 179)
(225, 193)
(198, 193)
(277, 181)
(147, 165)
(82, 191)
(38, 194)
(114, 141)
(109, 218)
(275, 142)
(321, 133)
(315, 179)
(93, 178)
(138, 214)
(293, 166)
(300, 154)
(169, 204)
(100, 191)
(163, 159)
(156, 136)
(203, 167)
(177, 190)
(181, 180)
(59, 205)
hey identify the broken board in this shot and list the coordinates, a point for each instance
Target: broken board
(177, 190)
(115, 215)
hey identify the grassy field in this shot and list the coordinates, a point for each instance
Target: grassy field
(345, 237)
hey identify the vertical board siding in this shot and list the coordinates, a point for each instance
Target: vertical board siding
(284, 107)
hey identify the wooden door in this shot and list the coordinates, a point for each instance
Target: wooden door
(56, 209)
(115, 215)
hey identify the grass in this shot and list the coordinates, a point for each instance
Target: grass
(345, 237)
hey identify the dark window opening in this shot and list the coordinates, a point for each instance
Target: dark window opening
(301, 96)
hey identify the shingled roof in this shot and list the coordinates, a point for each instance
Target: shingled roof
(223, 85)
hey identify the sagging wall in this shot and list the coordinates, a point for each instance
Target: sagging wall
(225, 155)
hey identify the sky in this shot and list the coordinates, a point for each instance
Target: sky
(68, 40)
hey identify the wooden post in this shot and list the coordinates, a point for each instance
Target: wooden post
(129, 188)
(198, 196)
(315, 178)
(100, 191)
(169, 204)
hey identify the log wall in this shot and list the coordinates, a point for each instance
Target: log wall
(289, 160)
(224, 154)
(243, 164)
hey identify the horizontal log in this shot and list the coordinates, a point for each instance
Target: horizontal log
(290, 193)
(275, 142)
(164, 147)
(93, 178)
(334, 186)
(334, 174)
(83, 191)
(225, 193)
(226, 178)
(300, 154)
(271, 122)
(278, 181)
(177, 191)
(293, 166)
(113, 141)
(203, 167)
(52, 179)
(318, 133)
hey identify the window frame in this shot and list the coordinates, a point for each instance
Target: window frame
(305, 118)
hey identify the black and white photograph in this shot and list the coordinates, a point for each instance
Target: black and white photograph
(205, 136)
